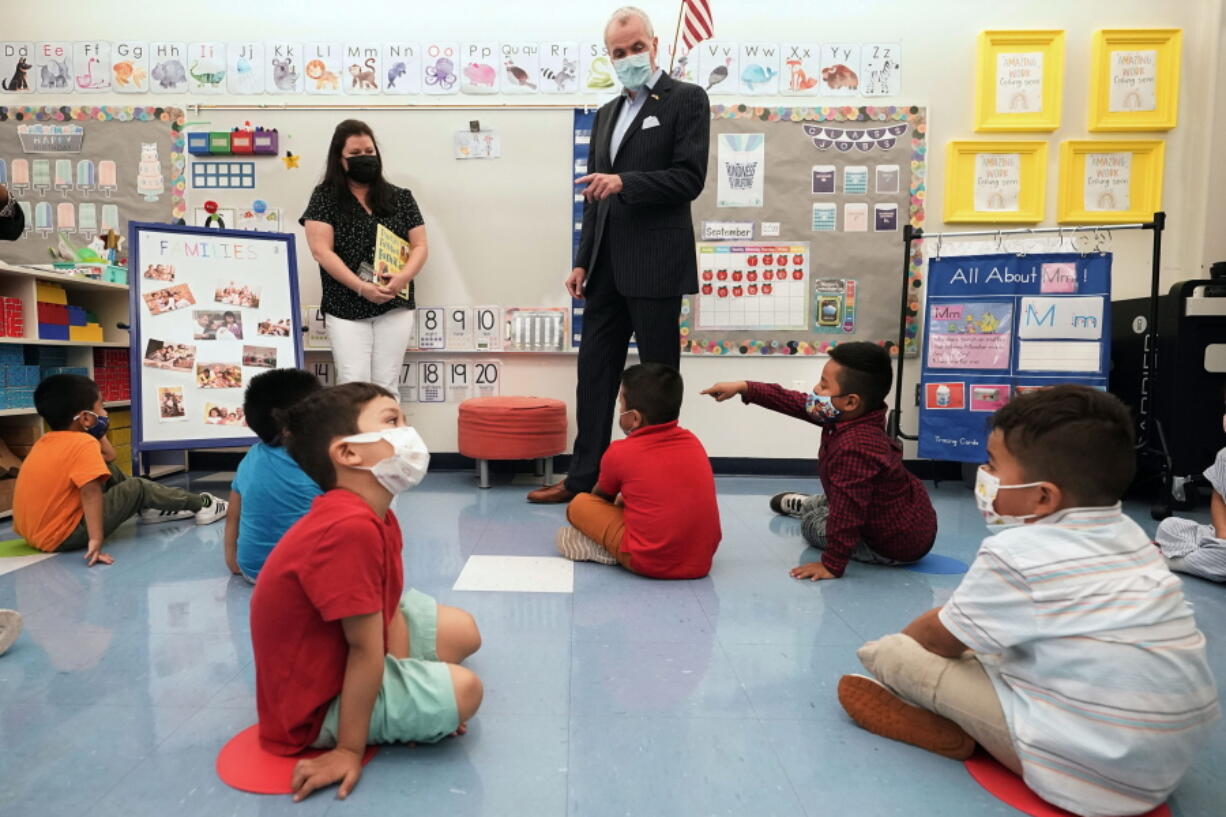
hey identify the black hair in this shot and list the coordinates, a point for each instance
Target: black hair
(314, 422)
(1076, 437)
(866, 371)
(654, 390)
(61, 397)
(382, 195)
(269, 391)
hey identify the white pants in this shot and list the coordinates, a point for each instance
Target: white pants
(371, 350)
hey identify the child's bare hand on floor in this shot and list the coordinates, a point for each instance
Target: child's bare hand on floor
(328, 768)
(813, 571)
(94, 555)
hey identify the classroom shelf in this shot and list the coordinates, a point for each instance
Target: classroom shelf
(111, 344)
(23, 412)
(67, 281)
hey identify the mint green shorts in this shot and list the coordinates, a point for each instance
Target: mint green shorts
(417, 698)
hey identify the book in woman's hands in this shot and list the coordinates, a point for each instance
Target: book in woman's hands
(391, 254)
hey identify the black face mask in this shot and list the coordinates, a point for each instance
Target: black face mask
(363, 169)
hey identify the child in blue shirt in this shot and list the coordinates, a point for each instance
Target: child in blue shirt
(270, 492)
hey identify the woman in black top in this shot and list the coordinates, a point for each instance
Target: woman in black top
(368, 324)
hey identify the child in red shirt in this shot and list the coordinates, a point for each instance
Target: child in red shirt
(633, 517)
(341, 658)
(872, 509)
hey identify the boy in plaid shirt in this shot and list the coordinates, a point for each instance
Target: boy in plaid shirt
(872, 509)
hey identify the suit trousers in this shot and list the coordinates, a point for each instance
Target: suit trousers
(609, 318)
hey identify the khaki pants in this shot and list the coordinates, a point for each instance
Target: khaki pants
(601, 520)
(123, 497)
(957, 688)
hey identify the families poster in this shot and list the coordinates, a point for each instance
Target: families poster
(211, 309)
(999, 325)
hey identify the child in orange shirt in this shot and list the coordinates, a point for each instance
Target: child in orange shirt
(69, 495)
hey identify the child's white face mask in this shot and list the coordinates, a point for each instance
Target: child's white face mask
(987, 486)
(408, 463)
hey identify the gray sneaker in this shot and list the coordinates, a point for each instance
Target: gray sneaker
(789, 504)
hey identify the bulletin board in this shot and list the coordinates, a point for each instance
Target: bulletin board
(81, 170)
(799, 227)
(210, 309)
(999, 325)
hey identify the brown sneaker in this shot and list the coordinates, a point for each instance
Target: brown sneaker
(875, 708)
(555, 494)
(575, 545)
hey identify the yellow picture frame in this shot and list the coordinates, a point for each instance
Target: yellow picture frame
(1144, 181)
(1025, 108)
(1147, 66)
(969, 185)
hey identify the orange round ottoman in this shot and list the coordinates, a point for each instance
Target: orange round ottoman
(512, 428)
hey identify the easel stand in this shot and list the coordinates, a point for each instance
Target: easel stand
(1151, 439)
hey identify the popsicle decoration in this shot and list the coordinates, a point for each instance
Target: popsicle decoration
(21, 176)
(42, 176)
(63, 175)
(110, 217)
(66, 217)
(87, 219)
(42, 219)
(4, 172)
(108, 179)
(85, 175)
(28, 209)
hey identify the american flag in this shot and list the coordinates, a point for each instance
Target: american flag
(696, 22)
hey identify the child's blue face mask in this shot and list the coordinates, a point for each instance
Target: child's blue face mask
(98, 429)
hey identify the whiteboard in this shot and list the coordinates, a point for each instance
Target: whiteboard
(498, 229)
(210, 309)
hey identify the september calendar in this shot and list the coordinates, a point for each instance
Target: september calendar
(746, 285)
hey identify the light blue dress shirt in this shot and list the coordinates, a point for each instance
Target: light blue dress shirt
(630, 109)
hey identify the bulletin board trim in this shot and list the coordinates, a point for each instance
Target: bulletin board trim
(891, 113)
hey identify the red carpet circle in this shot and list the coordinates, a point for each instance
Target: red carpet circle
(243, 765)
(1007, 787)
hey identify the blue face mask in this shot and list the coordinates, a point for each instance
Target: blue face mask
(821, 407)
(633, 71)
(98, 429)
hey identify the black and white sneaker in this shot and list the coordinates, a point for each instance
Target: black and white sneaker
(152, 516)
(215, 512)
(789, 504)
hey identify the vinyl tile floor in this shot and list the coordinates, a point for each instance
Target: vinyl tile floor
(606, 693)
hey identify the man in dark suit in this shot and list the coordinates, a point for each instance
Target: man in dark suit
(12, 217)
(636, 254)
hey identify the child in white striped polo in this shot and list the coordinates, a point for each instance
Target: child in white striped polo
(1190, 547)
(1085, 673)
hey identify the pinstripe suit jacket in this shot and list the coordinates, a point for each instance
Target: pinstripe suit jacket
(647, 227)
